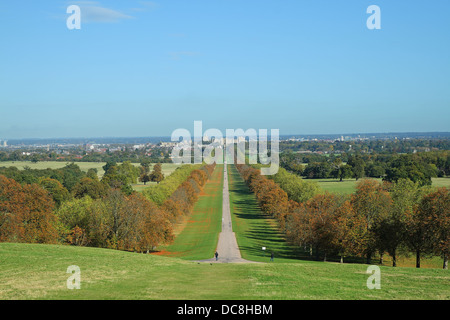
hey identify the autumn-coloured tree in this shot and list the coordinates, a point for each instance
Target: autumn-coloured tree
(373, 203)
(74, 218)
(157, 175)
(272, 199)
(11, 210)
(434, 213)
(26, 213)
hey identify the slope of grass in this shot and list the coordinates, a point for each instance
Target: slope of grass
(31, 271)
(254, 230)
(199, 237)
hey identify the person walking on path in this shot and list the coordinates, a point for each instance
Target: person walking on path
(216, 255)
(271, 256)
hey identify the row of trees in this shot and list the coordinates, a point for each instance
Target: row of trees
(378, 217)
(94, 213)
(162, 191)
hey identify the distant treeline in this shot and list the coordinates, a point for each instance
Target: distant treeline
(368, 146)
(378, 217)
(419, 167)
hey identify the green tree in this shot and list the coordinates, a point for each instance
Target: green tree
(56, 190)
(89, 187)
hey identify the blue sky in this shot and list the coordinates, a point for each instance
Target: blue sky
(146, 68)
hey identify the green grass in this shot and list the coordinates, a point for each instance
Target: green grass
(254, 229)
(441, 182)
(31, 271)
(198, 239)
(348, 186)
(84, 166)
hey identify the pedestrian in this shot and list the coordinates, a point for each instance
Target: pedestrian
(271, 256)
(216, 255)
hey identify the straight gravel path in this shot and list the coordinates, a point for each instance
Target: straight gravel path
(227, 248)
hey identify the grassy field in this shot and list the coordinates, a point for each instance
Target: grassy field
(30, 271)
(348, 186)
(199, 233)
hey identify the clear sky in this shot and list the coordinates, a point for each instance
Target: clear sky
(146, 68)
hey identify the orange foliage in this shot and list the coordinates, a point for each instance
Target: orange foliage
(26, 213)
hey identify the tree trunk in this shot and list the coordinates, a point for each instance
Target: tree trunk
(325, 257)
(342, 259)
(445, 262)
(381, 257)
(418, 259)
(394, 259)
(369, 258)
(310, 250)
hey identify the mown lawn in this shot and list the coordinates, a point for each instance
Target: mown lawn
(199, 233)
(33, 271)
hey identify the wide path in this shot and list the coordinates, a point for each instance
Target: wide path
(227, 247)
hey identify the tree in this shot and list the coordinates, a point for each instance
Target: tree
(373, 204)
(344, 172)
(157, 175)
(121, 177)
(26, 213)
(434, 212)
(92, 173)
(71, 174)
(392, 231)
(298, 190)
(89, 187)
(56, 190)
(145, 173)
(108, 166)
(409, 167)
(420, 238)
(38, 219)
(357, 164)
(74, 217)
